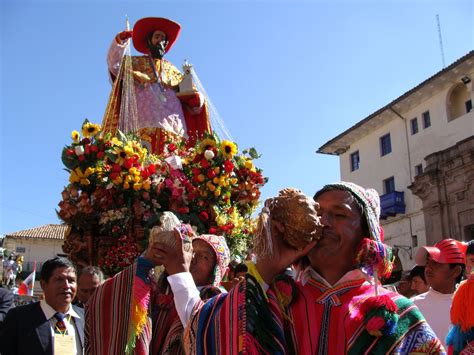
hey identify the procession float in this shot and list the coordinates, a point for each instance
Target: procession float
(161, 147)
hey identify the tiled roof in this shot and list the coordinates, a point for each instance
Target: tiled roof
(48, 231)
(326, 147)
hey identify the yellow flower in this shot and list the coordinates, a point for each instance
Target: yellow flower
(201, 177)
(215, 180)
(217, 192)
(81, 177)
(118, 180)
(126, 185)
(217, 170)
(137, 186)
(75, 136)
(248, 164)
(206, 144)
(116, 142)
(90, 129)
(228, 149)
(234, 181)
(121, 155)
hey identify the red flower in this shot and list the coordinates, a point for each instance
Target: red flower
(128, 163)
(81, 158)
(205, 164)
(203, 216)
(183, 210)
(152, 169)
(100, 154)
(171, 147)
(212, 230)
(85, 141)
(210, 173)
(94, 148)
(228, 166)
(69, 152)
(116, 168)
(196, 171)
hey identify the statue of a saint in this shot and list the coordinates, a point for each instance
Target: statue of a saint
(148, 95)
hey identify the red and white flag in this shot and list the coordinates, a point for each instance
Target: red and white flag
(27, 286)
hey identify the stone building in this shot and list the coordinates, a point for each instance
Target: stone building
(417, 152)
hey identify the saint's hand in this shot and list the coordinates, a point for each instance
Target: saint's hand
(178, 258)
(123, 36)
(282, 255)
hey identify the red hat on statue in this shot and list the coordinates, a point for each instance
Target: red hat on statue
(147, 25)
(446, 251)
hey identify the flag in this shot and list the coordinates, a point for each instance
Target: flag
(28, 284)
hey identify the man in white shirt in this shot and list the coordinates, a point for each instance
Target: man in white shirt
(444, 266)
(51, 326)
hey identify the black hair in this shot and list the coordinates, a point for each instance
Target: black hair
(418, 270)
(52, 264)
(461, 274)
(359, 205)
(241, 268)
(470, 247)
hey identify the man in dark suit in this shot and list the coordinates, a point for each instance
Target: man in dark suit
(6, 302)
(51, 326)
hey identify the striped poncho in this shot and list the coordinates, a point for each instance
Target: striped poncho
(292, 318)
(132, 314)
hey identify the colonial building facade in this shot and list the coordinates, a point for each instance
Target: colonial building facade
(417, 152)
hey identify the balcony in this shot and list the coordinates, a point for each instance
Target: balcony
(392, 204)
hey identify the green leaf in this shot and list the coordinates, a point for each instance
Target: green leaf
(254, 154)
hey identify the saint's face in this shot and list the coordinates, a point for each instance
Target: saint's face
(158, 37)
(342, 232)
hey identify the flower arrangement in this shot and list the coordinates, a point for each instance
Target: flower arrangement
(118, 190)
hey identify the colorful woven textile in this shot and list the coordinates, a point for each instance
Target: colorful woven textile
(317, 320)
(131, 314)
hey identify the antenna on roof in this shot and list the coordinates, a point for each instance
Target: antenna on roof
(440, 40)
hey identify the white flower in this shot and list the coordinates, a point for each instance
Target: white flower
(79, 150)
(209, 154)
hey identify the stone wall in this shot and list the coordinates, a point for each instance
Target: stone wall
(446, 189)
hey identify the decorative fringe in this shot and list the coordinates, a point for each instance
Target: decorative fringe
(462, 316)
(138, 312)
(375, 258)
(263, 334)
(380, 314)
(263, 244)
(459, 339)
(462, 308)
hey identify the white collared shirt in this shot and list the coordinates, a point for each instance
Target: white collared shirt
(71, 327)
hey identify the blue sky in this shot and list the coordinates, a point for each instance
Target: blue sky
(286, 76)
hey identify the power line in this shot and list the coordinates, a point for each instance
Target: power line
(440, 41)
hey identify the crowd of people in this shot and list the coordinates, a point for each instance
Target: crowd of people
(184, 295)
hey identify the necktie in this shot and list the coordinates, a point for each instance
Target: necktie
(60, 327)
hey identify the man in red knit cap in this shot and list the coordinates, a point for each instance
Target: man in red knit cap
(444, 267)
